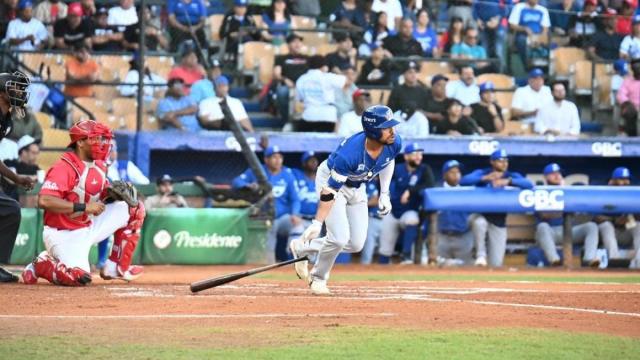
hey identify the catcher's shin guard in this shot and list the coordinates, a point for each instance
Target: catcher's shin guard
(126, 239)
(50, 269)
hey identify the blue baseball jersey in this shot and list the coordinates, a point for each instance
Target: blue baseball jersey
(414, 181)
(283, 189)
(351, 165)
(306, 188)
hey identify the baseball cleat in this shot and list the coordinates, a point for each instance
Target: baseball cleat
(29, 274)
(319, 287)
(481, 261)
(594, 263)
(7, 277)
(301, 267)
(556, 263)
(112, 272)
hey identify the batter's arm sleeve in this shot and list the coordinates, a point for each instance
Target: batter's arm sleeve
(338, 177)
(520, 181)
(427, 180)
(472, 179)
(243, 180)
(386, 175)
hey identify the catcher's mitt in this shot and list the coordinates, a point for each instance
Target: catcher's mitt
(123, 191)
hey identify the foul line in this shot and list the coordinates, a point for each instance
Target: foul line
(195, 316)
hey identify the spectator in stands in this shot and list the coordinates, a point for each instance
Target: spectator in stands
(308, 8)
(620, 229)
(624, 22)
(488, 15)
(277, 22)
(528, 99)
(287, 70)
(105, 37)
(177, 110)
(25, 126)
(204, 88)
(375, 35)
(344, 101)
(559, 117)
(461, 9)
(351, 122)
(530, 21)
(629, 100)
(165, 197)
(453, 35)
(123, 15)
(230, 28)
(630, 46)
(287, 202)
(317, 90)
(26, 32)
(189, 69)
(213, 111)
(88, 8)
(455, 240)
(123, 169)
(605, 44)
(132, 77)
(413, 123)
(424, 33)
(73, 29)
(154, 36)
(305, 181)
(403, 44)
(583, 25)
(393, 9)
(492, 228)
(411, 93)
(549, 229)
(187, 21)
(374, 226)
(8, 12)
(437, 102)
(455, 123)
(376, 69)
(620, 72)
(560, 15)
(26, 164)
(465, 89)
(469, 49)
(348, 16)
(80, 69)
(487, 113)
(345, 55)
(50, 11)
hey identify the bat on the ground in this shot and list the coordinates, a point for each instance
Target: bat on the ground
(221, 280)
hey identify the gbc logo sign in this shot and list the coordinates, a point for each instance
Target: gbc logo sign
(232, 144)
(542, 199)
(607, 149)
(483, 147)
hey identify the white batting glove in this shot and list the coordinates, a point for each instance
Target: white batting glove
(384, 204)
(313, 231)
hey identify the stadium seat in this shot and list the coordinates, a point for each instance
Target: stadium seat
(581, 82)
(114, 122)
(323, 49)
(47, 158)
(313, 39)
(160, 65)
(501, 81)
(55, 138)
(253, 52)
(129, 122)
(45, 120)
(92, 104)
(302, 22)
(123, 106)
(109, 75)
(452, 76)
(215, 21)
(265, 70)
(504, 99)
(429, 69)
(562, 59)
(516, 128)
(522, 228)
(106, 93)
(33, 60)
(379, 96)
(150, 123)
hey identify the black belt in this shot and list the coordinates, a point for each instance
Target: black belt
(307, 217)
(451, 233)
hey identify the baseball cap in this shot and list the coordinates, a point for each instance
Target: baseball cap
(635, 19)
(102, 11)
(308, 155)
(620, 66)
(621, 173)
(23, 4)
(274, 149)
(215, 63)
(75, 9)
(450, 164)
(413, 147)
(536, 72)
(374, 46)
(412, 65)
(25, 141)
(499, 154)
(221, 80)
(358, 93)
(293, 36)
(240, 2)
(437, 78)
(551, 168)
(487, 86)
(166, 178)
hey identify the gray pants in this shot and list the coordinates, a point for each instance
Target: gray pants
(549, 236)
(346, 226)
(456, 246)
(612, 236)
(391, 228)
(496, 236)
(373, 236)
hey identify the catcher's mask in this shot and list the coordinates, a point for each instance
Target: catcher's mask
(16, 87)
(98, 135)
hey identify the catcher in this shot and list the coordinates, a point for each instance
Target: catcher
(81, 208)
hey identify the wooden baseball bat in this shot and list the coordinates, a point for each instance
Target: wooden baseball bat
(221, 280)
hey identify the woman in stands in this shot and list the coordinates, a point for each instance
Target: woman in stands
(425, 34)
(278, 21)
(375, 34)
(453, 35)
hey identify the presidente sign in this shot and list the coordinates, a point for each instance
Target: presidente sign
(184, 239)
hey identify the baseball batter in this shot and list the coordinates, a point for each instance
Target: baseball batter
(340, 181)
(73, 197)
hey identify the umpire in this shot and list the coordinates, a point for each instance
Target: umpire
(13, 98)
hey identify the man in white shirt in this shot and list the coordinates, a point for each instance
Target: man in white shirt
(630, 45)
(317, 90)
(465, 90)
(351, 122)
(528, 99)
(26, 32)
(210, 110)
(392, 8)
(558, 117)
(123, 15)
(153, 83)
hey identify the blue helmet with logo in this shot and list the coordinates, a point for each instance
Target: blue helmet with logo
(376, 118)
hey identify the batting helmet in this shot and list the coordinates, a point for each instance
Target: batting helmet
(15, 86)
(376, 118)
(89, 129)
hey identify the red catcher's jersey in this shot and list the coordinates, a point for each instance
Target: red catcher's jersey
(76, 181)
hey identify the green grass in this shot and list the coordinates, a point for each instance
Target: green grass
(345, 342)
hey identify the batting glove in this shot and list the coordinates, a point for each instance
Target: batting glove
(384, 204)
(313, 231)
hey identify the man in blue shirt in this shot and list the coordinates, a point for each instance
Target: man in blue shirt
(409, 179)
(187, 20)
(305, 181)
(204, 88)
(286, 201)
(374, 227)
(549, 228)
(491, 227)
(343, 199)
(489, 15)
(455, 240)
(177, 110)
(530, 21)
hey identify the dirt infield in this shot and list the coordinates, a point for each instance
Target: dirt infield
(161, 300)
